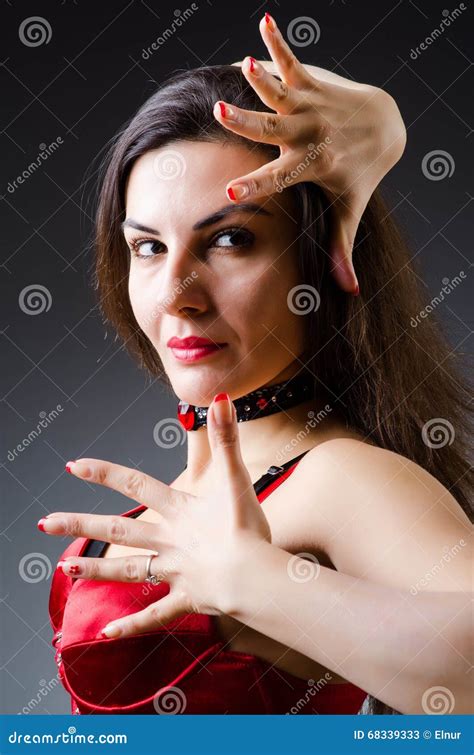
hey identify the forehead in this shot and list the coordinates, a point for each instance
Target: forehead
(183, 181)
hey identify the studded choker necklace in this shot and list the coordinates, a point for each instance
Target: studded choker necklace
(259, 403)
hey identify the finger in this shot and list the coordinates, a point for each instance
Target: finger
(273, 177)
(273, 92)
(120, 530)
(130, 482)
(124, 569)
(344, 228)
(225, 446)
(259, 127)
(289, 67)
(153, 616)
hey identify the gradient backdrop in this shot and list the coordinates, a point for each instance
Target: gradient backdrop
(70, 79)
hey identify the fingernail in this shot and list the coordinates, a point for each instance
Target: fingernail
(238, 191)
(223, 409)
(356, 290)
(111, 631)
(79, 469)
(60, 564)
(253, 65)
(51, 524)
(269, 21)
(226, 111)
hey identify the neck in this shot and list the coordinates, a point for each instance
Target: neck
(272, 439)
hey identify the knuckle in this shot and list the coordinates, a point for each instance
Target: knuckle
(117, 529)
(269, 126)
(282, 91)
(134, 485)
(226, 438)
(253, 186)
(73, 526)
(154, 613)
(131, 569)
(94, 569)
(280, 179)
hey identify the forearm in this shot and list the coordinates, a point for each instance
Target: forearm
(390, 643)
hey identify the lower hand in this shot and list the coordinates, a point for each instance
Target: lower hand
(197, 539)
(340, 134)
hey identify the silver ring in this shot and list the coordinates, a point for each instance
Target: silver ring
(151, 578)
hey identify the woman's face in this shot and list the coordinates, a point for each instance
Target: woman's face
(213, 270)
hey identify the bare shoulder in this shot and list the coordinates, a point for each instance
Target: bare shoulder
(378, 514)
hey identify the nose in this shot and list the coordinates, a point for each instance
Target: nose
(182, 285)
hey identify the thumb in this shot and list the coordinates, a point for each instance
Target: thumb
(345, 224)
(223, 434)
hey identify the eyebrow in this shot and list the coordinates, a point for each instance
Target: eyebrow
(248, 207)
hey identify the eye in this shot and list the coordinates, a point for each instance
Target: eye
(138, 245)
(233, 237)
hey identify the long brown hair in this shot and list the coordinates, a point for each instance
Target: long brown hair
(388, 364)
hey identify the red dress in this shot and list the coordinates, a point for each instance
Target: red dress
(183, 667)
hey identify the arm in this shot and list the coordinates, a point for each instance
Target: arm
(392, 644)
(395, 618)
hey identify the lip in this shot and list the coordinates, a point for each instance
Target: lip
(191, 342)
(192, 355)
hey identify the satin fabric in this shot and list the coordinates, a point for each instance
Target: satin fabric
(182, 667)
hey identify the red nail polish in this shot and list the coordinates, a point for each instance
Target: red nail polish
(40, 525)
(268, 20)
(252, 64)
(231, 194)
(357, 291)
(222, 107)
(74, 569)
(221, 397)
(102, 634)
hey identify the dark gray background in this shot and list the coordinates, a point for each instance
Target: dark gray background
(81, 86)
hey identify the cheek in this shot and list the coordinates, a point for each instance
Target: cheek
(143, 305)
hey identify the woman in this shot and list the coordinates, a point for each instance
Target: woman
(315, 498)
